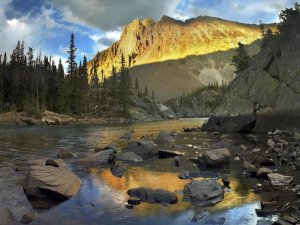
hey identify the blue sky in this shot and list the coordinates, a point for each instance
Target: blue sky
(46, 24)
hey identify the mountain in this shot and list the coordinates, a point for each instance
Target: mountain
(174, 51)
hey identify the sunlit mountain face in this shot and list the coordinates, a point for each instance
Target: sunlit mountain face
(144, 42)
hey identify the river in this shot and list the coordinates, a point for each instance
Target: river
(102, 197)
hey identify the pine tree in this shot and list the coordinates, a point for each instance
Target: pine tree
(72, 65)
(241, 59)
(125, 88)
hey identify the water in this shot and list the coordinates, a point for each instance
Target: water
(102, 196)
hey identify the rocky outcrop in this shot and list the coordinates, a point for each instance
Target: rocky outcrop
(203, 193)
(272, 81)
(48, 182)
(153, 196)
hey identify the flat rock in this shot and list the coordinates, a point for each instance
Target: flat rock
(279, 179)
(164, 138)
(50, 182)
(216, 157)
(203, 192)
(168, 153)
(158, 196)
(129, 157)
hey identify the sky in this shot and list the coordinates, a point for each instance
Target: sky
(46, 25)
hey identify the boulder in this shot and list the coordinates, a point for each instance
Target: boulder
(28, 217)
(65, 154)
(164, 138)
(6, 216)
(168, 153)
(117, 171)
(48, 182)
(202, 193)
(271, 143)
(216, 157)
(147, 143)
(129, 157)
(101, 158)
(263, 172)
(158, 196)
(141, 150)
(279, 179)
(250, 168)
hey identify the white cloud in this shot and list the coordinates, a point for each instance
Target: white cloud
(104, 40)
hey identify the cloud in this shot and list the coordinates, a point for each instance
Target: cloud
(104, 40)
(112, 14)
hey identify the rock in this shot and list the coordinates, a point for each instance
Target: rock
(279, 179)
(168, 153)
(147, 143)
(263, 172)
(199, 215)
(129, 206)
(113, 147)
(203, 193)
(290, 219)
(117, 171)
(226, 182)
(143, 151)
(129, 157)
(219, 221)
(264, 212)
(166, 112)
(271, 143)
(258, 188)
(281, 222)
(28, 217)
(6, 216)
(127, 136)
(216, 157)
(164, 138)
(266, 162)
(158, 196)
(250, 168)
(134, 201)
(101, 158)
(243, 147)
(65, 154)
(215, 133)
(51, 182)
(55, 163)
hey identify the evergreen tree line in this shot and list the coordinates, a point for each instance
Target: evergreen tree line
(34, 83)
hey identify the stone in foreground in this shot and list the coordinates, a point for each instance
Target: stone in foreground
(48, 182)
(278, 179)
(216, 157)
(203, 192)
(158, 196)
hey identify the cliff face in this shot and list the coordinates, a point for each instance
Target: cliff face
(148, 42)
(271, 82)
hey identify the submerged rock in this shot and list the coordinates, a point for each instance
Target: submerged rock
(168, 153)
(6, 216)
(28, 217)
(47, 182)
(98, 159)
(55, 163)
(158, 196)
(203, 193)
(216, 157)
(117, 171)
(129, 157)
(144, 151)
(65, 154)
(279, 179)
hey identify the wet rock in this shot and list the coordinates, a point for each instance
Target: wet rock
(216, 157)
(215, 133)
(290, 219)
(55, 163)
(113, 147)
(279, 179)
(47, 182)
(28, 217)
(199, 215)
(158, 196)
(258, 188)
(203, 193)
(164, 138)
(168, 153)
(281, 222)
(226, 182)
(65, 154)
(266, 162)
(194, 129)
(127, 136)
(98, 159)
(117, 171)
(141, 150)
(147, 143)
(134, 201)
(264, 212)
(6, 216)
(129, 157)
(263, 172)
(243, 147)
(129, 206)
(256, 150)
